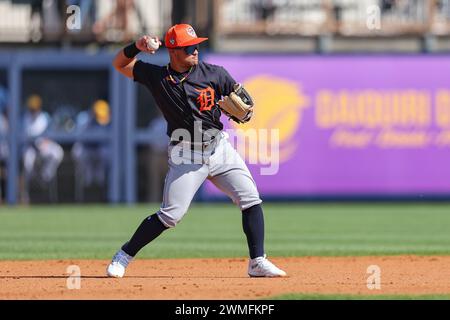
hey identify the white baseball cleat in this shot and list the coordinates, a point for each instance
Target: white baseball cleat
(119, 263)
(261, 267)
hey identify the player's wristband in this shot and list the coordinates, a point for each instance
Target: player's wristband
(131, 51)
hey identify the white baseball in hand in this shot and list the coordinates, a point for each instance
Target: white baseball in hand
(153, 44)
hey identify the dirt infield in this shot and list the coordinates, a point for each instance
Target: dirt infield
(223, 278)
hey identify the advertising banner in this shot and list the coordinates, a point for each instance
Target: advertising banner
(346, 125)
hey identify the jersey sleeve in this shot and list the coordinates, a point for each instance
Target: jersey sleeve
(226, 82)
(144, 73)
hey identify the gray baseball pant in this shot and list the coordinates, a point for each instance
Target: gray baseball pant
(222, 165)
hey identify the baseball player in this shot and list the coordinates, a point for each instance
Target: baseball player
(192, 95)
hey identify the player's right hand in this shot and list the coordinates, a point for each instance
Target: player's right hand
(143, 44)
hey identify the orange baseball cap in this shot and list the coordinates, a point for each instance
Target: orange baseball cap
(182, 35)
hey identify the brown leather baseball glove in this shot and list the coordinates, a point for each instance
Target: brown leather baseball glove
(238, 105)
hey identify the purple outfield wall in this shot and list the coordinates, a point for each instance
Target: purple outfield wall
(365, 125)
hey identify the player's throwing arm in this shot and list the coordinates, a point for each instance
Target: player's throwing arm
(125, 60)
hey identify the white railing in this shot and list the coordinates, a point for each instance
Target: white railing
(101, 20)
(122, 20)
(345, 17)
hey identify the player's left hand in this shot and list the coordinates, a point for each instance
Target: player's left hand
(238, 105)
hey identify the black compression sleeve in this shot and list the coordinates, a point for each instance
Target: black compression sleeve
(131, 51)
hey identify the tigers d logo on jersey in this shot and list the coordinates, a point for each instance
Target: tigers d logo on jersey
(205, 98)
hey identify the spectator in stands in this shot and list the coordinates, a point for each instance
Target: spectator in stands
(408, 8)
(387, 5)
(157, 164)
(264, 9)
(36, 18)
(47, 19)
(41, 156)
(118, 19)
(92, 158)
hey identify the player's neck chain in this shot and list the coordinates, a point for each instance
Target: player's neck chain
(176, 81)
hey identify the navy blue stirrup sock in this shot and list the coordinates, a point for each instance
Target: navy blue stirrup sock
(253, 225)
(148, 230)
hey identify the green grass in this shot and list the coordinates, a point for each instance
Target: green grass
(358, 297)
(214, 230)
